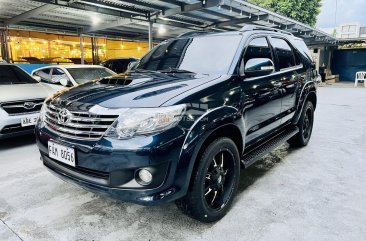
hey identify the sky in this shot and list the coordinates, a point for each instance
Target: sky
(348, 11)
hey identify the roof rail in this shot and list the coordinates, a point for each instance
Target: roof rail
(191, 33)
(251, 27)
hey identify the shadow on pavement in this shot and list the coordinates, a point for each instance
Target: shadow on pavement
(262, 166)
(18, 141)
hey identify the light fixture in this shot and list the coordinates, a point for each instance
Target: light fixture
(95, 20)
(161, 29)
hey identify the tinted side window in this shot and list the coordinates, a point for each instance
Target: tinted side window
(44, 74)
(257, 48)
(10, 74)
(301, 46)
(284, 53)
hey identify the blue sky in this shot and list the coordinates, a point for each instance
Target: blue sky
(348, 11)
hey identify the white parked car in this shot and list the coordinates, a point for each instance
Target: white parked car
(61, 76)
(21, 99)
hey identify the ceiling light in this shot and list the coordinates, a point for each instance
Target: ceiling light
(161, 29)
(95, 20)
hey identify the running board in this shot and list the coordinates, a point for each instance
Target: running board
(263, 149)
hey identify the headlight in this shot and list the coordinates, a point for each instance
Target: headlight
(143, 121)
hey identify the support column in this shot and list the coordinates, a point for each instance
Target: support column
(94, 50)
(4, 44)
(81, 49)
(150, 35)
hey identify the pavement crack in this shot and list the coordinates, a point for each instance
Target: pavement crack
(11, 229)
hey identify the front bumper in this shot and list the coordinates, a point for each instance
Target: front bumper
(109, 166)
(10, 125)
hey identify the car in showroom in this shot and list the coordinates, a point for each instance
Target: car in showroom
(180, 126)
(21, 99)
(119, 65)
(63, 76)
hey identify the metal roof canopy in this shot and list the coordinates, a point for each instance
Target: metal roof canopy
(132, 18)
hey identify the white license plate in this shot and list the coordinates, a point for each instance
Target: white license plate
(28, 121)
(61, 153)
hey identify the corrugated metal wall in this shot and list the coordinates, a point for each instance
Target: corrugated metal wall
(346, 62)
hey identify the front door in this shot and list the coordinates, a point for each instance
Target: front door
(262, 96)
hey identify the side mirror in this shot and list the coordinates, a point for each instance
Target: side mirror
(37, 78)
(258, 67)
(64, 82)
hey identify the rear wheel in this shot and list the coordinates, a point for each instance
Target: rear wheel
(214, 183)
(305, 126)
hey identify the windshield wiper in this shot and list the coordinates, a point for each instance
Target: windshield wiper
(176, 70)
(143, 71)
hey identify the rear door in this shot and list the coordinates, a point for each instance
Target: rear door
(289, 68)
(262, 99)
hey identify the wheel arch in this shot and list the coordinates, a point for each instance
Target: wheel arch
(312, 98)
(228, 130)
(223, 121)
(308, 93)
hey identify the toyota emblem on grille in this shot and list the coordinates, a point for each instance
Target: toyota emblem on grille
(63, 116)
(29, 105)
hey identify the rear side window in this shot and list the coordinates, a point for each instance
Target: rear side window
(301, 46)
(284, 53)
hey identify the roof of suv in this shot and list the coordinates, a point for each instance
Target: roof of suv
(246, 28)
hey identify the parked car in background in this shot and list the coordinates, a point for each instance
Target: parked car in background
(21, 99)
(119, 65)
(60, 76)
(182, 123)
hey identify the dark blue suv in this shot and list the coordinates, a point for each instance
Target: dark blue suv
(181, 125)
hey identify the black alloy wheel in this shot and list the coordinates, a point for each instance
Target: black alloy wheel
(219, 180)
(305, 126)
(214, 182)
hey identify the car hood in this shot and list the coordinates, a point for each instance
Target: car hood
(132, 90)
(24, 92)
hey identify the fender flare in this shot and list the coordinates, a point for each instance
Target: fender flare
(309, 88)
(198, 133)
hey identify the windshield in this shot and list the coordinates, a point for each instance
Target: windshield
(10, 74)
(205, 55)
(83, 75)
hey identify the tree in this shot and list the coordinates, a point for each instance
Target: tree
(305, 11)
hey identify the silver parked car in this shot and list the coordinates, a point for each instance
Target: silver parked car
(60, 76)
(21, 99)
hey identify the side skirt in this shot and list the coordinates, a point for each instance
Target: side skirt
(262, 149)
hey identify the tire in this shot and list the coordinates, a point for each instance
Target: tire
(214, 182)
(305, 126)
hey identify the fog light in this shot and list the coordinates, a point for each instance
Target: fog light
(145, 176)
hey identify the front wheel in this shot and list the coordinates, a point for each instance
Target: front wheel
(214, 183)
(305, 126)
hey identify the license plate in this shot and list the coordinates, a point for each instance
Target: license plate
(28, 121)
(61, 153)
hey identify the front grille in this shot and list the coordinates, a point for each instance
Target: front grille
(22, 107)
(15, 128)
(80, 125)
